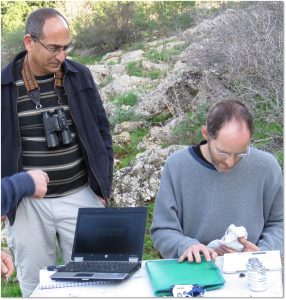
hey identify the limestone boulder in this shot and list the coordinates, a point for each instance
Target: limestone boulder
(138, 183)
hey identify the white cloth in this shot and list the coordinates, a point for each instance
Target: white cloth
(230, 238)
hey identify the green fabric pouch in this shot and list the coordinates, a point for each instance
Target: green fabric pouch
(166, 273)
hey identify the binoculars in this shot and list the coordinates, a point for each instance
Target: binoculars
(56, 128)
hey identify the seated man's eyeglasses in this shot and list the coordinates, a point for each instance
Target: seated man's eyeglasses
(54, 49)
(225, 155)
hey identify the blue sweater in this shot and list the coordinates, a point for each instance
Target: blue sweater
(13, 189)
(196, 203)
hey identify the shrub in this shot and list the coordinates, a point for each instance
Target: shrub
(11, 44)
(247, 45)
(188, 131)
(125, 99)
(135, 69)
(122, 115)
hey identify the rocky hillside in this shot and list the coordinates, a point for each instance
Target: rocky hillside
(237, 53)
(148, 91)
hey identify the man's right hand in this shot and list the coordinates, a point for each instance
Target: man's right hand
(195, 251)
(41, 180)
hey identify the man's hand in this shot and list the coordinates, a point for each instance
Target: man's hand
(7, 266)
(102, 200)
(248, 246)
(222, 249)
(194, 251)
(41, 180)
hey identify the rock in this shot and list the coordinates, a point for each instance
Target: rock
(124, 84)
(132, 56)
(112, 55)
(170, 45)
(159, 135)
(117, 70)
(121, 139)
(149, 66)
(127, 126)
(138, 183)
(99, 72)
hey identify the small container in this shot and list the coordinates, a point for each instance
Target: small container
(256, 275)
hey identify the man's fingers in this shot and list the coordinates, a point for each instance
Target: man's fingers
(193, 253)
(243, 241)
(183, 256)
(207, 254)
(47, 177)
(214, 254)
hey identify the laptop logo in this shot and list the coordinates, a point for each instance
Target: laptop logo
(105, 256)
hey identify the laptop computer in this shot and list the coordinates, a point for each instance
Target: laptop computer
(108, 245)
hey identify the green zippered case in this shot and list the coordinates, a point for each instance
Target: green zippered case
(165, 273)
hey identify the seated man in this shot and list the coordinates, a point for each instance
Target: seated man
(224, 180)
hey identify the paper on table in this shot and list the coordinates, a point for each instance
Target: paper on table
(236, 262)
(47, 283)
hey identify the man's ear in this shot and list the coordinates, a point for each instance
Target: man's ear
(204, 131)
(28, 41)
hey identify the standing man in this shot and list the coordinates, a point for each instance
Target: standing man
(52, 119)
(223, 180)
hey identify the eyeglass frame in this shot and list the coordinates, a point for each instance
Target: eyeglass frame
(235, 155)
(57, 49)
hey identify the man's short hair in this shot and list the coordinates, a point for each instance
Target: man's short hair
(36, 20)
(224, 111)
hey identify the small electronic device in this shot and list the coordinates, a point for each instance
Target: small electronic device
(186, 291)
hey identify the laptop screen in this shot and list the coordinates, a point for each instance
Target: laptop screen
(110, 233)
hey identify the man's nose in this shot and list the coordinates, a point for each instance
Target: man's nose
(230, 161)
(61, 55)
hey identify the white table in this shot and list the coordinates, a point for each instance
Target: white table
(139, 286)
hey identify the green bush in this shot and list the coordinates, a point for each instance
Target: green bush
(157, 56)
(188, 131)
(11, 288)
(87, 60)
(136, 69)
(161, 119)
(109, 27)
(11, 44)
(125, 99)
(149, 251)
(123, 115)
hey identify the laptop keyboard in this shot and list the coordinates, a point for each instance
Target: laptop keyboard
(99, 266)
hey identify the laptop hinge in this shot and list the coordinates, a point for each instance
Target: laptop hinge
(133, 258)
(78, 259)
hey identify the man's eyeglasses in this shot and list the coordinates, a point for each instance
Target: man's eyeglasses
(54, 49)
(227, 155)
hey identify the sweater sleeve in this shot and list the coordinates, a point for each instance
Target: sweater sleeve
(272, 234)
(166, 229)
(13, 189)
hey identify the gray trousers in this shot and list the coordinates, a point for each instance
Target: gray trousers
(39, 226)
